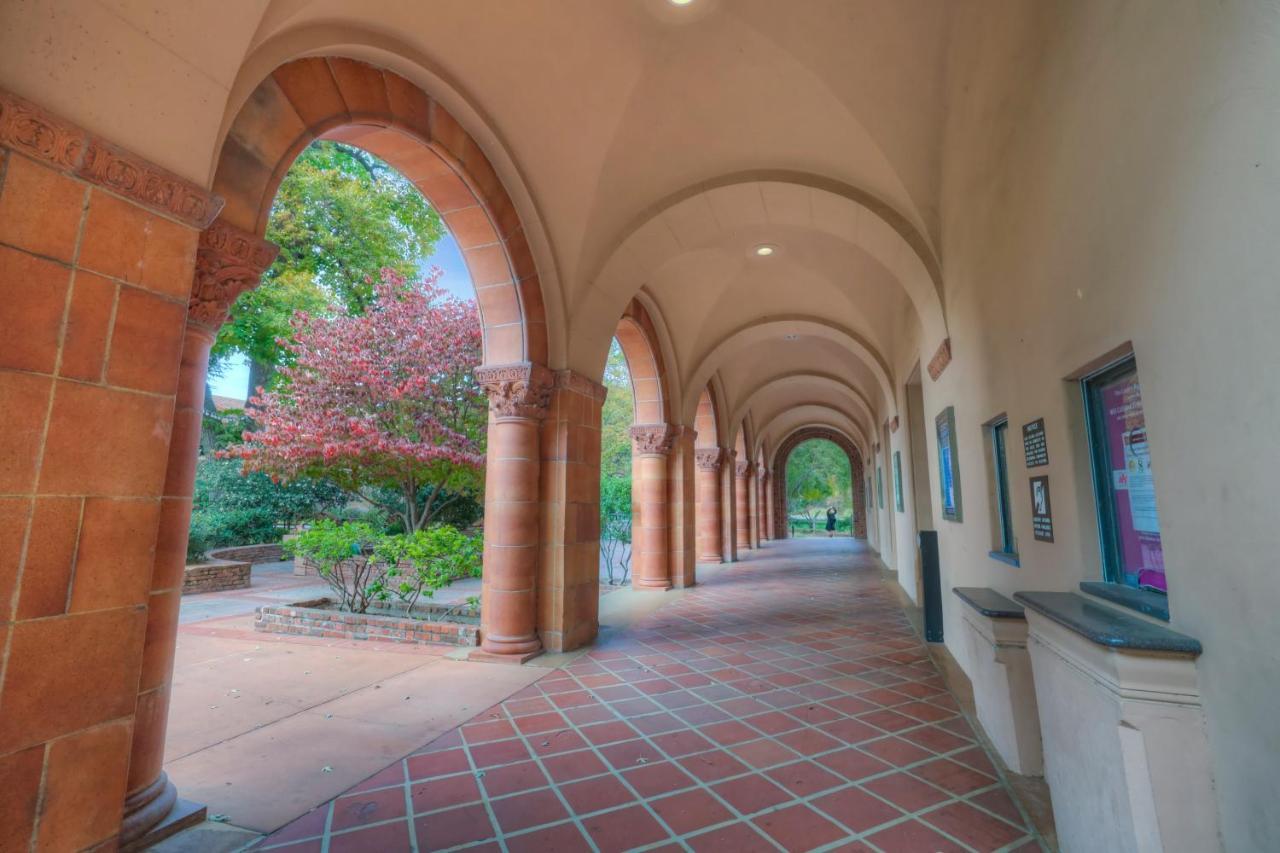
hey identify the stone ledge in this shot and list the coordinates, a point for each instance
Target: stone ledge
(272, 552)
(1107, 627)
(988, 602)
(309, 620)
(216, 576)
(1149, 603)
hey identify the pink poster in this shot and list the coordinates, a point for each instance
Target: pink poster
(1137, 523)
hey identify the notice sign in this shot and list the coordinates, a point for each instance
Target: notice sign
(1041, 510)
(1034, 446)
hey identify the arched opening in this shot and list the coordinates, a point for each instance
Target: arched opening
(782, 470)
(819, 490)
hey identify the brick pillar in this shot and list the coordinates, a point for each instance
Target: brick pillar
(763, 503)
(97, 248)
(569, 571)
(770, 499)
(753, 484)
(729, 506)
(228, 262)
(682, 509)
(650, 557)
(519, 395)
(709, 524)
(742, 509)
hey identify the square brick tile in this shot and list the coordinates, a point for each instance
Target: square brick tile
(763, 753)
(604, 733)
(890, 721)
(662, 777)
(804, 778)
(538, 723)
(523, 811)
(653, 724)
(387, 836)
(632, 753)
(569, 766)
(443, 763)
(592, 795)
(713, 766)
(729, 733)
(774, 723)
(975, 828)
(799, 828)
(911, 836)
(452, 828)
(856, 809)
(624, 829)
(895, 751)
(511, 778)
(999, 802)
(809, 741)
(852, 764)
(750, 794)
(690, 810)
(550, 743)
(435, 794)
(562, 838)
(365, 808)
(498, 752)
(681, 743)
(905, 791)
(736, 837)
(956, 778)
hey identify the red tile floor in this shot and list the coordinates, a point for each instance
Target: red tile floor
(784, 703)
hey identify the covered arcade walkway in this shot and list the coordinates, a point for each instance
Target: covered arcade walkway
(784, 703)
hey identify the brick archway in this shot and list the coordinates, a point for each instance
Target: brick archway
(360, 104)
(855, 477)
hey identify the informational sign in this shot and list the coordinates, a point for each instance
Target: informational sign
(897, 480)
(1133, 484)
(948, 465)
(1041, 510)
(1034, 446)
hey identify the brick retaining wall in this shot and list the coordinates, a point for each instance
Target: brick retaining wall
(216, 576)
(268, 553)
(310, 621)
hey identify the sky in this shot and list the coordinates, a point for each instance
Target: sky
(234, 381)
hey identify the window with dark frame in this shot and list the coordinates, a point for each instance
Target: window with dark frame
(1000, 473)
(1124, 484)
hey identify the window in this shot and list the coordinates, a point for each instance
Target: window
(1004, 541)
(1128, 524)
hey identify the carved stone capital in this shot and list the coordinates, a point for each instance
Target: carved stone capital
(654, 439)
(229, 261)
(64, 146)
(517, 391)
(744, 468)
(709, 458)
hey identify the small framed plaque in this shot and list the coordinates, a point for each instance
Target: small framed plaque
(1034, 446)
(949, 465)
(1041, 510)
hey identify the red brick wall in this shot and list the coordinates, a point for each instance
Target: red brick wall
(216, 576)
(312, 622)
(270, 553)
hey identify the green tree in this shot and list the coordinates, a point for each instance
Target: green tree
(340, 216)
(616, 418)
(818, 477)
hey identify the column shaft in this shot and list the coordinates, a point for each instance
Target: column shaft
(650, 538)
(709, 539)
(742, 510)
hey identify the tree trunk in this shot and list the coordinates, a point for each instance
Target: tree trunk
(259, 375)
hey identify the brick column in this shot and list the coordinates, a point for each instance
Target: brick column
(682, 509)
(519, 395)
(569, 570)
(710, 538)
(766, 533)
(770, 499)
(228, 262)
(753, 497)
(651, 568)
(742, 509)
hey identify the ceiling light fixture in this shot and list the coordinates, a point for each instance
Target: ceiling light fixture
(680, 2)
(765, 250)
(791, 337)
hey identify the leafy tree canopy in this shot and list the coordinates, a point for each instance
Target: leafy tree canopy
(818, 477)
(340, 216)
(616, 419)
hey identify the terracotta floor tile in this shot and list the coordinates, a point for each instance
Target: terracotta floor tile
(912, 837)
(561, 838)
(856, 809)
(896, 751)
(365, 808)
(906, 792)
(523, 811)
(852, 764)
(499, 752)
(804, 778)
(431, 794)
(729, 733)
(592, 795)
(624, 829)
(387, 836)
(511, 778)
(975, 828)
(760, 754)
(454, 827)
(750, 794)
(999, 802)
(799, 828)
(689, 811)
(441, 763)
(569, 766)
(956, 778)
(737, 838)
(653, 779)
(713, 766)
(935, 738)
(603, 733)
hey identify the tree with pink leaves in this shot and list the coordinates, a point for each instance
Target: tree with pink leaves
(383, 403)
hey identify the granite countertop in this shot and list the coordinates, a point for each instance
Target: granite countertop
(989, 603)
(1106, 626)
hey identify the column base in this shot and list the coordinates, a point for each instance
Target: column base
(482, 656)
(156, 813)
(650, 586)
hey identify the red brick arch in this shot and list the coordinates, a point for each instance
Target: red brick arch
(380, 111)
(650, 383)
(781, 529)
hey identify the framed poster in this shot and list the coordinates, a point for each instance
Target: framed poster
(1035, 448)
(1041, 510)
(949, 465)
(897, 480)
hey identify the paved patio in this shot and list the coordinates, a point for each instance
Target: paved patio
(784, 703)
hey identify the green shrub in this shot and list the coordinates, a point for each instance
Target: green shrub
(221, 487)
(211, 528)
(615, 496)
(363, 564)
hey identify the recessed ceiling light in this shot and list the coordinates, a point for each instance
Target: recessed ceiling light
(791, 337)
(765, 250)
(680, 2)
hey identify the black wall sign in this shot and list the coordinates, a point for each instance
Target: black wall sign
(1041, 510)
(1034, 445)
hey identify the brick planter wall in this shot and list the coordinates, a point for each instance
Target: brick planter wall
(269, 553)
(307, 619)
(216, 576)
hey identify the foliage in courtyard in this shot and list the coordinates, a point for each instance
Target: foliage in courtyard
(230, 508)
(382, 403)
(340, 216)
(818, 477)
(364, 566)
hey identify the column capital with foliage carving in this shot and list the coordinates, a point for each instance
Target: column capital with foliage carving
(229, 261)
(709, 458)
(654, 439)
(519, 391)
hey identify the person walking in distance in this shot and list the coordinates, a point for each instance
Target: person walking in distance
(831, 521)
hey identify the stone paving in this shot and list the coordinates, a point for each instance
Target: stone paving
(784, 703)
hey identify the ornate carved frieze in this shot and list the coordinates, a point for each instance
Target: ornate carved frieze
(229, 261)
(517, 390)
(654, 439)
(709, 458)
(579, 384)
(57, 142)
(940, 359)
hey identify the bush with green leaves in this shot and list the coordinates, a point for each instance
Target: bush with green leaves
(216, 528)
(222, 486)
(363, 565)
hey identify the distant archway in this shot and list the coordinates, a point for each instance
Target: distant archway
(780, 472)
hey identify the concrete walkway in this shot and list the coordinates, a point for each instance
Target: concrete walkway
(784, 703)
